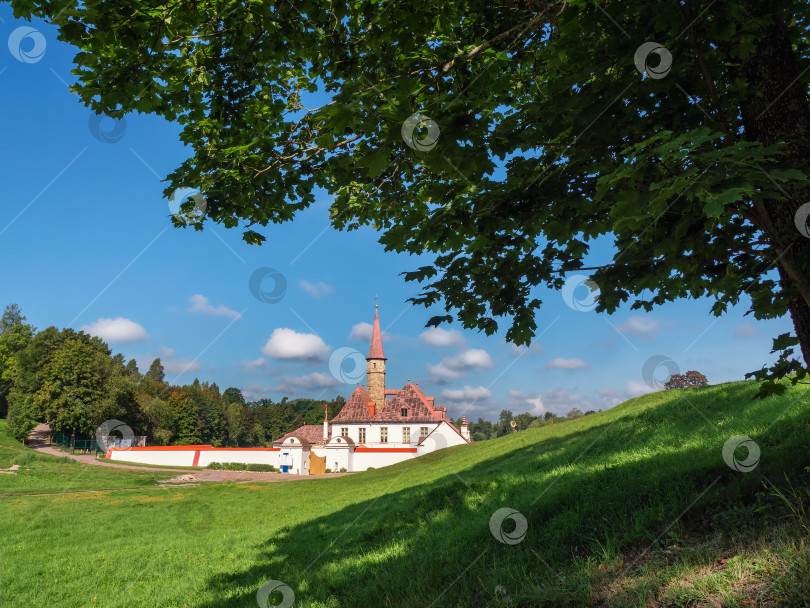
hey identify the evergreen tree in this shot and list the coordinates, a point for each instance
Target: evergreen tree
(131, 369)
(156, 372)
(12, 317)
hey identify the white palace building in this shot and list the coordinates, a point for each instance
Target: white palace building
(376, 427)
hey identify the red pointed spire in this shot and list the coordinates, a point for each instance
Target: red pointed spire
(376, 350)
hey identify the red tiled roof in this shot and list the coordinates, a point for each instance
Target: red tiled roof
(311, 432)
(376, 350)
(418, 407)
(356, 408)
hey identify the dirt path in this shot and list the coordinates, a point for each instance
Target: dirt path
(38, 440)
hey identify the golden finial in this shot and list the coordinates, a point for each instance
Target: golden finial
(375, 302)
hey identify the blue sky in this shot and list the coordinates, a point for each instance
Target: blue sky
(87, 242)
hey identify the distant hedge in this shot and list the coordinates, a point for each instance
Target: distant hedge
(240, 466)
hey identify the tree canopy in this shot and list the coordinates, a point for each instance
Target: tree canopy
(505, 138)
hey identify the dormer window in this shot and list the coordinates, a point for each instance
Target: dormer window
(403, 411)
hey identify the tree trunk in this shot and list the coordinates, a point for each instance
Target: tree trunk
(776, 110)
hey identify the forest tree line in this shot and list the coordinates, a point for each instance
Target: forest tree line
(72, 381)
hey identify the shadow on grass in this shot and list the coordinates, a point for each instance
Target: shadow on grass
(622, 486)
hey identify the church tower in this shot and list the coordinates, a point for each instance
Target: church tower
(375, 366)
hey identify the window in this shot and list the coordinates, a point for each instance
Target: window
(374, 365)
(403, 412)
(344, 431)
(406, 434)
(384, 434)
(423, 432)
(362, 435)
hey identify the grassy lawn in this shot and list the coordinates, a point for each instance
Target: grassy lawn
(630, 507)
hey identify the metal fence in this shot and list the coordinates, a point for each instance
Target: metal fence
(83, 445)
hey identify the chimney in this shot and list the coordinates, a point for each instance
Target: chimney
(465, 430)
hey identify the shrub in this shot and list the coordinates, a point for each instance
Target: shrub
(343, 470)
(328, 471)
(241, 466)
(262, 468)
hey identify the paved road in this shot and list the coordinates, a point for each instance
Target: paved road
(38, 440)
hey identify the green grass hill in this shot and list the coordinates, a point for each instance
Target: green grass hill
(634, 506)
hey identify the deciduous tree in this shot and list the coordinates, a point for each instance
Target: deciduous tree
(504, 138)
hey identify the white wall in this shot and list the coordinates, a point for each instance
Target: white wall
(337, 458)
(244, 456)
(443, 437)
(364, 460)
(174, 458)
(296, 458)
(185, 458)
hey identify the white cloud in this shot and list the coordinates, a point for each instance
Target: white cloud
(255, 391)
(468, 393)
(255, 365)
(316, 381)
(538, 407)
(456, 366)
(116, 330)
(636, 389)
(639, 326)
(173, 365)
(442, 338)
(316, 290)
(285, 343)
(199, 303)
(361, 331)
(561, 363)
(746, 330)
(535, 348)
